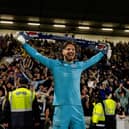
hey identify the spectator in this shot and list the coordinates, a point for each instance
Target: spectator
(98, 114)
(4, 109)
(120, 113)
(122, 94)
(110, 110)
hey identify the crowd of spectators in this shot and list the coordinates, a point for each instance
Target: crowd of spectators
(106, 76)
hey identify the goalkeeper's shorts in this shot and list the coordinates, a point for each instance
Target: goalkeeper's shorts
(68, 116)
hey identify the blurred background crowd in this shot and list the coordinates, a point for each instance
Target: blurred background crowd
(105, 77)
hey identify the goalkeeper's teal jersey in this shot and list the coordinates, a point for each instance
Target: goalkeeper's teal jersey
(66, 76)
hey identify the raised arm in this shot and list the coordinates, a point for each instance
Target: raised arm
(117, 92)
(34, 53)
(93, 60)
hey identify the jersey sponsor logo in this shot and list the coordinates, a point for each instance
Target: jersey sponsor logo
(21, 92)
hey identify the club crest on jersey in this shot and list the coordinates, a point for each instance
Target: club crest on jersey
(65, 64)
(73, 65)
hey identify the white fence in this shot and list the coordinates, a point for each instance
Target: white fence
(122, 123)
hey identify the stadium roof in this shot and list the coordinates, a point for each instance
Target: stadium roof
(88, 13)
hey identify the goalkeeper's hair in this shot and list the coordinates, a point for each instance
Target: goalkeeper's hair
(69, 43)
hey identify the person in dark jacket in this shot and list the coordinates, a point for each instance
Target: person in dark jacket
(4, 109)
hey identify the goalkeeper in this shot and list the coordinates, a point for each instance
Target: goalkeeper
(68, 112)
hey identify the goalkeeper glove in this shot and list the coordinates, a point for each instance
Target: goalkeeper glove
(105, 48)
(22, 37)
